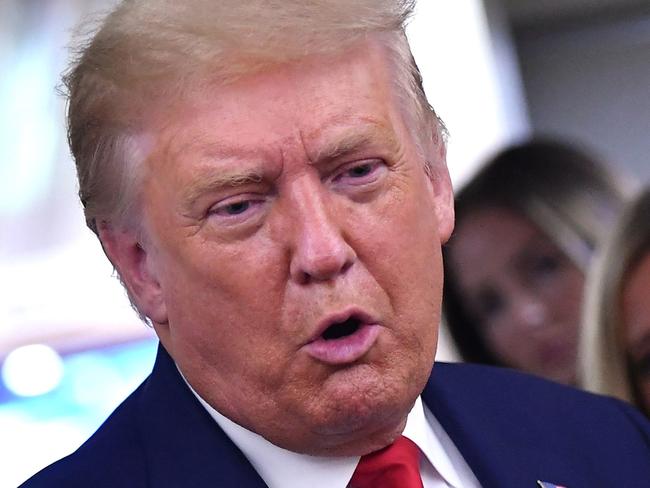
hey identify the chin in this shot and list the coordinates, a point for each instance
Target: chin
(366, 402)
(356, 429)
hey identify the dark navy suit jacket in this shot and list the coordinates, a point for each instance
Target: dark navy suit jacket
(511, 429)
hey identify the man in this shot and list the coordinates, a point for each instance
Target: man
(270, 183)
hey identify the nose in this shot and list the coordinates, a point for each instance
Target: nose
(529, 312)
(320, 251)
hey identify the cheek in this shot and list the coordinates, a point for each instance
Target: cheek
(407, 222)
(504, 341)
(636, 322)
(512, 350)
(401, 248)
(225, 322)
(212, 290)
(566, 297)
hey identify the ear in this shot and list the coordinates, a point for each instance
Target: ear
(134, 263)
(443, 193)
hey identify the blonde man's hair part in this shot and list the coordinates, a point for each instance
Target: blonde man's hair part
(145, 56)
(151, 51)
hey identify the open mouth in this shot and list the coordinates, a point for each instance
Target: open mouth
(345, 338)
(339, 330)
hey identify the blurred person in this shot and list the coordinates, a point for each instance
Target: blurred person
(270, 183)
(526, 227)
(615, 347)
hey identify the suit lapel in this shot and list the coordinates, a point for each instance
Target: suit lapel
(459, 412)
(511, 430)
(182, 443)
(185, 447)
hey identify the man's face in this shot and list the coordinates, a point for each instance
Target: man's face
(294, 243)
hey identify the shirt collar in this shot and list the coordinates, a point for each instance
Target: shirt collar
(444, 459)
(280, 468)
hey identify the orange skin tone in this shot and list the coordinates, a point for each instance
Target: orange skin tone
(270, 204)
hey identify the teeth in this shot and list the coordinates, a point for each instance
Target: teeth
(342, 329)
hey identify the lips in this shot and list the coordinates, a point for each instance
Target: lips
(558, 352)
(343, 338)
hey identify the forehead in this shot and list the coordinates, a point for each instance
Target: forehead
(492, 230)
(311, 103)
(490, 241)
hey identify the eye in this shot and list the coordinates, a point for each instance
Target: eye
(546, 264)
(360, 172)
(236, 209)
(489, 304)
(543, 267)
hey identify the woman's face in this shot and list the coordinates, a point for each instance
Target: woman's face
(636, 330)
(522, 290)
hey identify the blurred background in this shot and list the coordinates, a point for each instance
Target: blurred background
(71, 348)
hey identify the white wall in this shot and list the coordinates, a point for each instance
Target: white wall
(471, 78)
(55, 284)
(591, 83)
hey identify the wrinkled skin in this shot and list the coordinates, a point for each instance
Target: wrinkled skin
(271, 204)
(522, 289)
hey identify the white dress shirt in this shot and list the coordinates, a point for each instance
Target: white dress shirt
(442, 465)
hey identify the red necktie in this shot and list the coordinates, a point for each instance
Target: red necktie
(394, 466)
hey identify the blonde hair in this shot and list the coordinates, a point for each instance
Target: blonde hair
(149, 51)
(602, 358)
(568, 194)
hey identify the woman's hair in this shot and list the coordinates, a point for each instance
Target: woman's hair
(602, 359)
(567, 194)
(146, 53)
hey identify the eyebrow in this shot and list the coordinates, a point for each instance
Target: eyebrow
(212, 181)
(343, 146)
(352, 141)
(534, 246)
(340, 146)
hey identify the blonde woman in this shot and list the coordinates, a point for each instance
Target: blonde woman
(615, 348)
(527, 226)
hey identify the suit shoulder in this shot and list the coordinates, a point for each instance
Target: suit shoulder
(488, 375)
(110, 457)
(504, 381)
(510, 387)
(510, 395)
